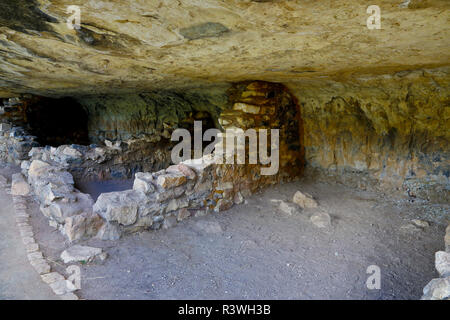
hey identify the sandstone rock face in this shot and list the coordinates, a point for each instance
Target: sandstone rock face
(151, 45)
(391, 130)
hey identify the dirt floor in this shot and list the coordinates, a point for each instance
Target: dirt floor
(18, 280)
(255, 251)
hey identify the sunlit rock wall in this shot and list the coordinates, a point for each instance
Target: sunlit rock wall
(392, 130)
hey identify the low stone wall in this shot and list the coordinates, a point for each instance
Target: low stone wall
(15, 143)
(439, 288)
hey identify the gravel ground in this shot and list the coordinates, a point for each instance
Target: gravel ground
(255, 251)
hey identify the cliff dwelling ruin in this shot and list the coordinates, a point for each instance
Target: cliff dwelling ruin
(333, 141)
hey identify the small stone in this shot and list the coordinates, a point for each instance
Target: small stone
(442, 263)
(62, 287)
(183, 214)
(288, 208)
(410, 228)
(51, 277)
(79, 253)
(102, 256)
(420, 223)
(437, 289)
(169, 222)
(304, 200)
(321, 220)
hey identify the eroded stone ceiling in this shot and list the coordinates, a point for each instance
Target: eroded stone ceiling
(144, 45)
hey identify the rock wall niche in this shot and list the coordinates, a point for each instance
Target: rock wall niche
(390, 132)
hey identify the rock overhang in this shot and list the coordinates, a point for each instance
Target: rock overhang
(123, 47)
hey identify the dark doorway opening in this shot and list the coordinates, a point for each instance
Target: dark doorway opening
(58, 121)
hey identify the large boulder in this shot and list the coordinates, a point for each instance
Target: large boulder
(121, 207)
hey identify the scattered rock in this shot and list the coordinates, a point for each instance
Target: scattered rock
(19, 186)
(442, 263)
(420, 223)
(79, 253)
(321, 220)
(288, 208)
(410, 228)
(304, 200)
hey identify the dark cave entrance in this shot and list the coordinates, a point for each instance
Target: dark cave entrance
(57, 122)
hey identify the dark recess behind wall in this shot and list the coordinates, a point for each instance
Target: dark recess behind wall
(58, 121)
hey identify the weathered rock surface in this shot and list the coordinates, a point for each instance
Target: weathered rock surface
(121, 207)
(437, 289)
(321, 220)
(288, 208)
(304, 200)
(187, 43)
(79, 253)
(442, 263)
